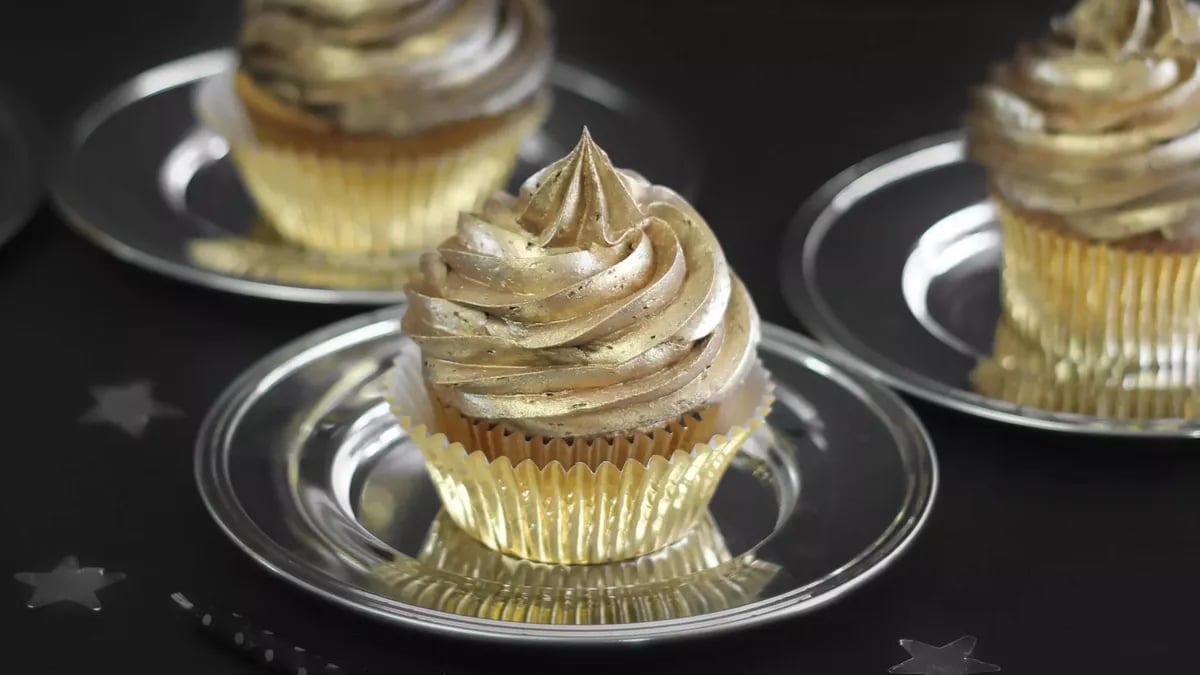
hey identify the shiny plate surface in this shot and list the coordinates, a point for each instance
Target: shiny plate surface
(143, 179)
(302, 465)
(895, 263)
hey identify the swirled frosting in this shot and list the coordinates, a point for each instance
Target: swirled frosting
(1099, 121)
(397, 66)
(593, 303)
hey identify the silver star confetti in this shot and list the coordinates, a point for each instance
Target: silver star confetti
(68, 583)
(129, 407)
(952, 659)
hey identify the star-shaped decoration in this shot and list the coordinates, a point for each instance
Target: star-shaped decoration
(952, 659)
(68, 583)
(129, 407)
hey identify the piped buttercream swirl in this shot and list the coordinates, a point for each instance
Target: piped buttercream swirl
(397, 66)
(592, 303)
(1099, 121)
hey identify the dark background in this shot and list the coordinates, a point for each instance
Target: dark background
(1061, 554)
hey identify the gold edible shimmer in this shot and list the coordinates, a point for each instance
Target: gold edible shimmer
(594, 303)
(454, 573)
(587, 365)
(1091, 139)
(1099, 121)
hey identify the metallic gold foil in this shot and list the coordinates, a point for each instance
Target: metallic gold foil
(454, 573)
(397, 67)
(574, 514)
(1099, 121)
(592, 304)
(1111, 311)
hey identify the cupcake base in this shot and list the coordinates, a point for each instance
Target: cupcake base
(574, 513)
(352, 194)
(1105, 308)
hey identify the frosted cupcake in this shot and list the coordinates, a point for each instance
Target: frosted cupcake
(1091, 139)
(586, 368)
(366, 127)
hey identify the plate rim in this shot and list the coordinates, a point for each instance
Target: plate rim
(805, 232)
(211, 476)
(187, 69)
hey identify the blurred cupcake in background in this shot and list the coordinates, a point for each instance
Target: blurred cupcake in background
(365, 126)
(1091, 141)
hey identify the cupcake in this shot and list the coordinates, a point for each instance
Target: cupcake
(583, 365)
(1091, 141)
(694, 576)
(366, 127)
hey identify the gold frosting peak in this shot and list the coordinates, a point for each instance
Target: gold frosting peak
(1098, 122)
(595, 303)
(581, 200)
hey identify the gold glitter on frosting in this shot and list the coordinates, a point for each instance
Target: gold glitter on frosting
(1099, 121)
(397, 66)
(593, 303)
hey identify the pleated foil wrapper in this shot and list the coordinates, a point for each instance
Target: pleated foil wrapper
(498, 440)
(350, 203)
(455, 573)
(1021, 372)
(574, 513)
(1104, 308)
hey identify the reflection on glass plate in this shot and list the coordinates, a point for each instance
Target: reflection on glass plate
(1021, 372)
(261, 254)
(455, 573)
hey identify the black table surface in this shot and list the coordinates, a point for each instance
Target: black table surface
(1060, 554)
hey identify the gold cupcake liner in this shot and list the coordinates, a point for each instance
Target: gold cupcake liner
(454, 573)
(358, 205)
(1021, 372)
(498, 440)
(1104, 308)
(574, 514)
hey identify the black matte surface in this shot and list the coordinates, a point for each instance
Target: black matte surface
(1062, 555)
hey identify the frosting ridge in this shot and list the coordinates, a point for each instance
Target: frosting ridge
(592, 303)
(1099, 121)
(397, 66)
